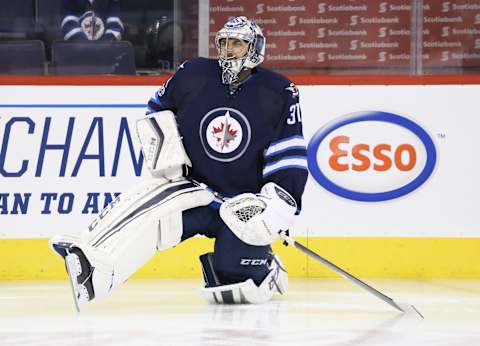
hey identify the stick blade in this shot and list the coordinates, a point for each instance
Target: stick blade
(410, 310)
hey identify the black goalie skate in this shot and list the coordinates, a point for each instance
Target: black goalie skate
(79, 272)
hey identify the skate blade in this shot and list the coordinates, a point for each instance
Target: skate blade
(70, 263)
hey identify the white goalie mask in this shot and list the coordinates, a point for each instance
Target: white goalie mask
(243, 29)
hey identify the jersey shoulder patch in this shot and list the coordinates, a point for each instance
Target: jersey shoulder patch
(292, 88)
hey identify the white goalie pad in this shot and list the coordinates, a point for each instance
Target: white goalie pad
(162, 145)
(258, 219)
(248, 292)
(131, 228)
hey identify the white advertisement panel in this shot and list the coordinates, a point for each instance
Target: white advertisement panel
(65, 152)
(384, 161)
(391, 161)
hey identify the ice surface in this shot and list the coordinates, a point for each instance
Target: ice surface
(171, 312)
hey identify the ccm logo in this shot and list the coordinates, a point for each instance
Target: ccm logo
(371, 156)
(253, 262)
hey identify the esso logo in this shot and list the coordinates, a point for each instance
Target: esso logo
(371, 156)
(364, 154)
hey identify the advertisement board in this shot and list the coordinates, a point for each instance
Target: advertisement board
(360, 34)
(384, 161)
(65, 153)
(396, 161)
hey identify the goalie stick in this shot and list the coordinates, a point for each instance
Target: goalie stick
(402, 307)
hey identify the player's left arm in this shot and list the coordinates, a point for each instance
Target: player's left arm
(285, 173)
(285, 159)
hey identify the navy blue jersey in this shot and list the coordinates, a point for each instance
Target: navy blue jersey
(237, 142)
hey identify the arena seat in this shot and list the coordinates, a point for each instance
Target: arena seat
(26, 57)
(17, 20)
(92, 57)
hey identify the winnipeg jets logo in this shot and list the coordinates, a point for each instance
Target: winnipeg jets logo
(161, 91)
(182, 65)
(293, 89)
(225, 134)
(92, 26)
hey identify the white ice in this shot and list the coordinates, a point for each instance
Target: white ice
(171, 312)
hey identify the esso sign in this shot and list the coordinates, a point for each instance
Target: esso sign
(371, 156)
(365, 154)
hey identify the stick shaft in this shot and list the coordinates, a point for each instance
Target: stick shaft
(341, 272)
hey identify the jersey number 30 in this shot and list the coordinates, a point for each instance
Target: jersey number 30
(295, 114)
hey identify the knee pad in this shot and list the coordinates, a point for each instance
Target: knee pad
(246, 292)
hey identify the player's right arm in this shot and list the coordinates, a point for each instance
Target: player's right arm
(165, 98)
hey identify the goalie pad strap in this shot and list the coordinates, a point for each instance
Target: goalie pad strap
(230, 294)
(209, 275)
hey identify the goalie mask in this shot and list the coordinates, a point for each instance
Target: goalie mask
(242, 29)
